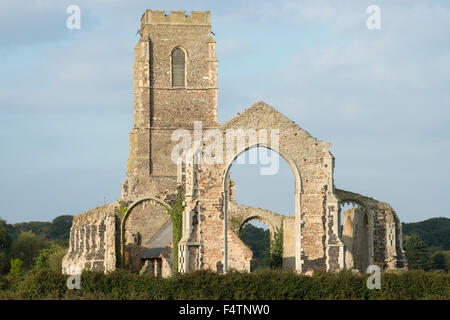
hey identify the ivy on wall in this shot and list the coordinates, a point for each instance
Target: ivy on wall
(122, 209)
(176, 213)
(120, 213)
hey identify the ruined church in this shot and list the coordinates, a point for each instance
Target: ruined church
(175, 85)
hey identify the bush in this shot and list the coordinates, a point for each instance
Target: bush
(262, 284)
(5, 262)
(416, 253)
(51, 258)
(438, 261)
(39, 284)
(27, 248)
(55, 259)
(16, 267)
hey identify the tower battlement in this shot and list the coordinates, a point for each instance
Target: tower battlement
(176, 17)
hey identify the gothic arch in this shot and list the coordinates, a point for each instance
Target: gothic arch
(181, 66)
(312, 234)
(127, 214)
(298, 190)
(368, 224)
(262, 219)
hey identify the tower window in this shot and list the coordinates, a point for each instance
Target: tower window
(178, 62)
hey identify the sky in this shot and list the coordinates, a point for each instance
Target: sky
(380, 97)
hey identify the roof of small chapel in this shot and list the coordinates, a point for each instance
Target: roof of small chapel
(159, 241)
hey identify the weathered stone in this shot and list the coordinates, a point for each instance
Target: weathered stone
(104, 238)
(92, 241)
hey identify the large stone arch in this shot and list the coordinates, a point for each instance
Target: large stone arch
(384, 230)
(314, 227)
(346, 197)
(261, 214)
(362, 233)
(139, 247)
(259, 218)
(243, 214)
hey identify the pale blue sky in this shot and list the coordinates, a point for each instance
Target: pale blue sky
(380, 97)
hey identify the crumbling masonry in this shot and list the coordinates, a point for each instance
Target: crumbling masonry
(175, 84)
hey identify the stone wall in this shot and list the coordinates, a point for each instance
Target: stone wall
(144, 220)
(160, 108)
(356, 239)
(92, 243)
(384, 231)
(167, 261)
(239, 214)
(289, 246)
(316, 206)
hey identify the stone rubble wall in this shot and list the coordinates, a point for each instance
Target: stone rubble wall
(384, 231)
(316, 240)
(92, 243)
(355, 237)
(240, 255)
(239, 214)
(159, 108)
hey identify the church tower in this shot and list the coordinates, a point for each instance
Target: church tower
(175, 84)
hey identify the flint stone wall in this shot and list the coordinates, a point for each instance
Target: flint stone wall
(92, 243)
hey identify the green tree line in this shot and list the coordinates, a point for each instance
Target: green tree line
(427, 244)
(33, 245)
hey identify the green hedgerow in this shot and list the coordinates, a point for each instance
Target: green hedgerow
(262, 284)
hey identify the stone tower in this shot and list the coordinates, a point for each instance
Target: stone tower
(175, 84)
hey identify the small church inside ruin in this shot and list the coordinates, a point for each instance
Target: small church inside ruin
(175, 87)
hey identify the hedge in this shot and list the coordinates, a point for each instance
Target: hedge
(263, 285)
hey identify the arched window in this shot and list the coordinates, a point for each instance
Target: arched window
(178, 61)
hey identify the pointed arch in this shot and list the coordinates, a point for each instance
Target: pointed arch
(127, 214)
(178, 61)
(298, 191)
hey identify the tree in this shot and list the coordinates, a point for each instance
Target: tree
(16, 267)
(27, 248)
(5, 239)
(447, 259)
(438, 261)
(258, 240)
(42, 261)
(276, 249)
(51, 258)
(4, 262)
(416, 253)
(55, 259)
(5, 246)
(60, 228)
(435, 231)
